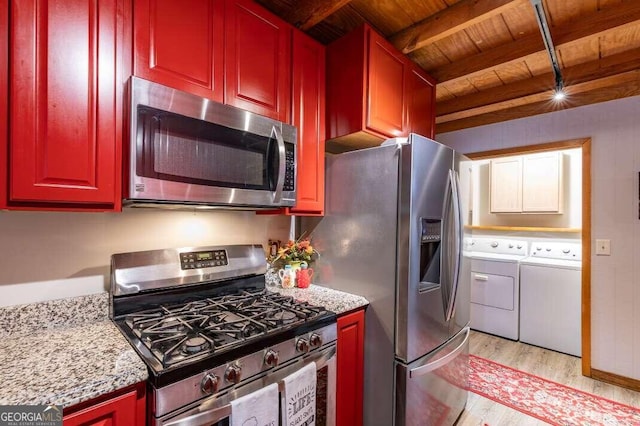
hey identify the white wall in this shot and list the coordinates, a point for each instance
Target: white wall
(614, 128)
(47, 255)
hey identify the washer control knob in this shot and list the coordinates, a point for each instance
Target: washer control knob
(302, 345)
(315, 340)
(271, 358)
(233, 373)
(510, 245)
(548, 248)
(519, 246)
(209, 384)
(566, 251)
(494, 244)
(538, 248)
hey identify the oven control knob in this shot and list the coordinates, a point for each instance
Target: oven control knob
(209, 383)
(232, 375)
(271, 358)
(315, 340)
(302, 345)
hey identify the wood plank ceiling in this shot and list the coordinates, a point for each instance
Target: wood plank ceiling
(488, 56)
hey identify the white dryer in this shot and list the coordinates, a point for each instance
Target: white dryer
(495, 288)
(550, 297)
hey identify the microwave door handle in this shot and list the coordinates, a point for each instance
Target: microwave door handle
(277, 194)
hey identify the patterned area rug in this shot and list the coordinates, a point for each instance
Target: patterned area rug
(546, 400)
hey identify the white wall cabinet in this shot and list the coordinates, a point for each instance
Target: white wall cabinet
(506, 185)
(527, 184)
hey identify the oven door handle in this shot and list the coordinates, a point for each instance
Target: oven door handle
(282, 163)
(208, 417)
(217, 408)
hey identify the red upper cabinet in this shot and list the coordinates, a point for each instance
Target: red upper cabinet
(66, 101)
(350, 369)
(181, 44)
(309, 118)
(4, 86)
(374, 92)
(422, 102)
(386, 87)
(257, 60)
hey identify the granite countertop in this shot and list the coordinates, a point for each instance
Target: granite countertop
(332, 300)
(67, 351)
(64, 352)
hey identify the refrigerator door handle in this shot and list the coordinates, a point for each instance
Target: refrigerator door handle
(445, 277)
(457, 230)
(427, 368)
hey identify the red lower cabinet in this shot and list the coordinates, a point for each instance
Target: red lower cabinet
(118, 409)
(350, 372)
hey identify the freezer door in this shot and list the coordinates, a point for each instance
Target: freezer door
(429, 248)
(433, 389)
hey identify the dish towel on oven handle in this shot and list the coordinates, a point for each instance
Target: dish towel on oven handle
(259, 408)
(299, 397)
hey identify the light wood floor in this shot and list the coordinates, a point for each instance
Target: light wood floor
(551, 365)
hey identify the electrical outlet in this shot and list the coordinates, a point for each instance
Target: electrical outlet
(603, 247)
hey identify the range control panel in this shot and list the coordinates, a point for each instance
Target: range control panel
(203, 259)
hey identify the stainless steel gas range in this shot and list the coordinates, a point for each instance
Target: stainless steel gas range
(209, 331)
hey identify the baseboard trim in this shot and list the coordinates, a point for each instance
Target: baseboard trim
(615, 379)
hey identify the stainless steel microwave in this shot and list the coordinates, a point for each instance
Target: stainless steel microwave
(185, 149)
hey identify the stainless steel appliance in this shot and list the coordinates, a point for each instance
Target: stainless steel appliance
(393, 232)
(184, 149)
(210, 332)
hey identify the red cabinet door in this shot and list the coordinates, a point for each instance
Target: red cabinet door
(119, 411)
(257, 60)
(66, 101)
(387, 87)
(4, 114)
(422, 103)
(309, 118)
(350, 371)
(180, 44)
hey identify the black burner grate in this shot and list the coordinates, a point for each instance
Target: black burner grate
(179, 333)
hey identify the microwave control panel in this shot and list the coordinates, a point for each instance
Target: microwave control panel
(203, 259)
(290, 168)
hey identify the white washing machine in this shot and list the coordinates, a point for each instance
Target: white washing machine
(550, 297)
(495, 288)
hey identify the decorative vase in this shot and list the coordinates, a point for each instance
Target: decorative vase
(303, 276)
(287, 277)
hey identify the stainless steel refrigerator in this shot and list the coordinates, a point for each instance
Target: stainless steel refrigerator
(392, 232)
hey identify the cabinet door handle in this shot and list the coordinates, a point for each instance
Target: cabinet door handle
(479, 277)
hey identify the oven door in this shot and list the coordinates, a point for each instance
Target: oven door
(187, 149)
(216, 410)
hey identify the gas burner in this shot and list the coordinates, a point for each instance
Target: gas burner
(177, 333)
(284, 316)
(194, 345)
(171, 324)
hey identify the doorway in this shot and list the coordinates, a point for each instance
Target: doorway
(585, 224)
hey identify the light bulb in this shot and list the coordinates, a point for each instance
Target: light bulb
(559, 95)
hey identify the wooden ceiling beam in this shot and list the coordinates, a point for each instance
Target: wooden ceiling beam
(307, 13)
(448, 21)
(601, 90)
(586, 27)
(611, 65)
